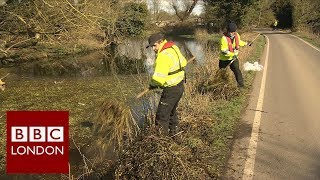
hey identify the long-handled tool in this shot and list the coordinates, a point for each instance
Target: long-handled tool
(229, 64)
(142, 93)
(147, 90)
(254, 39)
(5, 76)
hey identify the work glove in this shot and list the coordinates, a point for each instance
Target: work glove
(227, 53)
(235, 56)
(236, 52)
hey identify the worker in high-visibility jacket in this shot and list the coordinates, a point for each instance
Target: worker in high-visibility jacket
(229, 46)
(168, 75)
(275, 24)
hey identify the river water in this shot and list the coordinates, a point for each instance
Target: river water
(80, 83)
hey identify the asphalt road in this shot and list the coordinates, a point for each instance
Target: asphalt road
(279, 134)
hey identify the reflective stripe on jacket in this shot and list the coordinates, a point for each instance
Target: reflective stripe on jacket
(169, 66)
(227, 50)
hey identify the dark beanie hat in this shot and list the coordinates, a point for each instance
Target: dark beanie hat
(154, 38)
(232, 27)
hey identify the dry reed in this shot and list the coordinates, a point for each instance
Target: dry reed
(157, 157)
(114, 125)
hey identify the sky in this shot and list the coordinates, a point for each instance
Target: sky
(2, 2)
(198, 9)
(165, 5)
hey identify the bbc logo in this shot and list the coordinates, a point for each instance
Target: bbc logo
(37, 134)
(37, 142)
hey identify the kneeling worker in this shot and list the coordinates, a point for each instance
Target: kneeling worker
(168, 75)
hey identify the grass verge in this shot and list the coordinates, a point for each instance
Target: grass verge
(309, 37)
(229, 112)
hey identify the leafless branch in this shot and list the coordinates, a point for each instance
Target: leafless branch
(185, 13)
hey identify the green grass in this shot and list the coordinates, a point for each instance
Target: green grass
(311, 38)
(215, 37)
(81, 97)
(228, 113)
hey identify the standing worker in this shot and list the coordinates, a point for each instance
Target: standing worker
(168, 75)
(229, 45)
(275, 24)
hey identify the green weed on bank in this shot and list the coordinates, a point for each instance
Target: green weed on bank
(228, 113)
(309, 37)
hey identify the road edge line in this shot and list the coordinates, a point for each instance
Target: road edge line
(252, 149)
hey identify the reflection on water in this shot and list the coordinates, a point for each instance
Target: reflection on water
(133, 48)
(130, 57)
(197, 50)
(145, 107)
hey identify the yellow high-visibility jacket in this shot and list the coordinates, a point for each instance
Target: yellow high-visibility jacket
(169, 66)
(225, 52)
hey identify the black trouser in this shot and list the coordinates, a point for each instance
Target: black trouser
(166, 116)
(234, 66)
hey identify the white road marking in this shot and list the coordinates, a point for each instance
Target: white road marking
(306, 42)
(252, 149)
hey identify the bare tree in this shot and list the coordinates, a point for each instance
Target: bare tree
(81, 22)
(155, 9)
(183, 8)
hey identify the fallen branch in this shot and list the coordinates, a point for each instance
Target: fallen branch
(6, 51)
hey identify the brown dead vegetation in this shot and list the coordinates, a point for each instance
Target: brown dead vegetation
(195, 152)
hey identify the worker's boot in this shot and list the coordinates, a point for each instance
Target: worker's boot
(175, 134)
(163, 127)
(173, 130)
